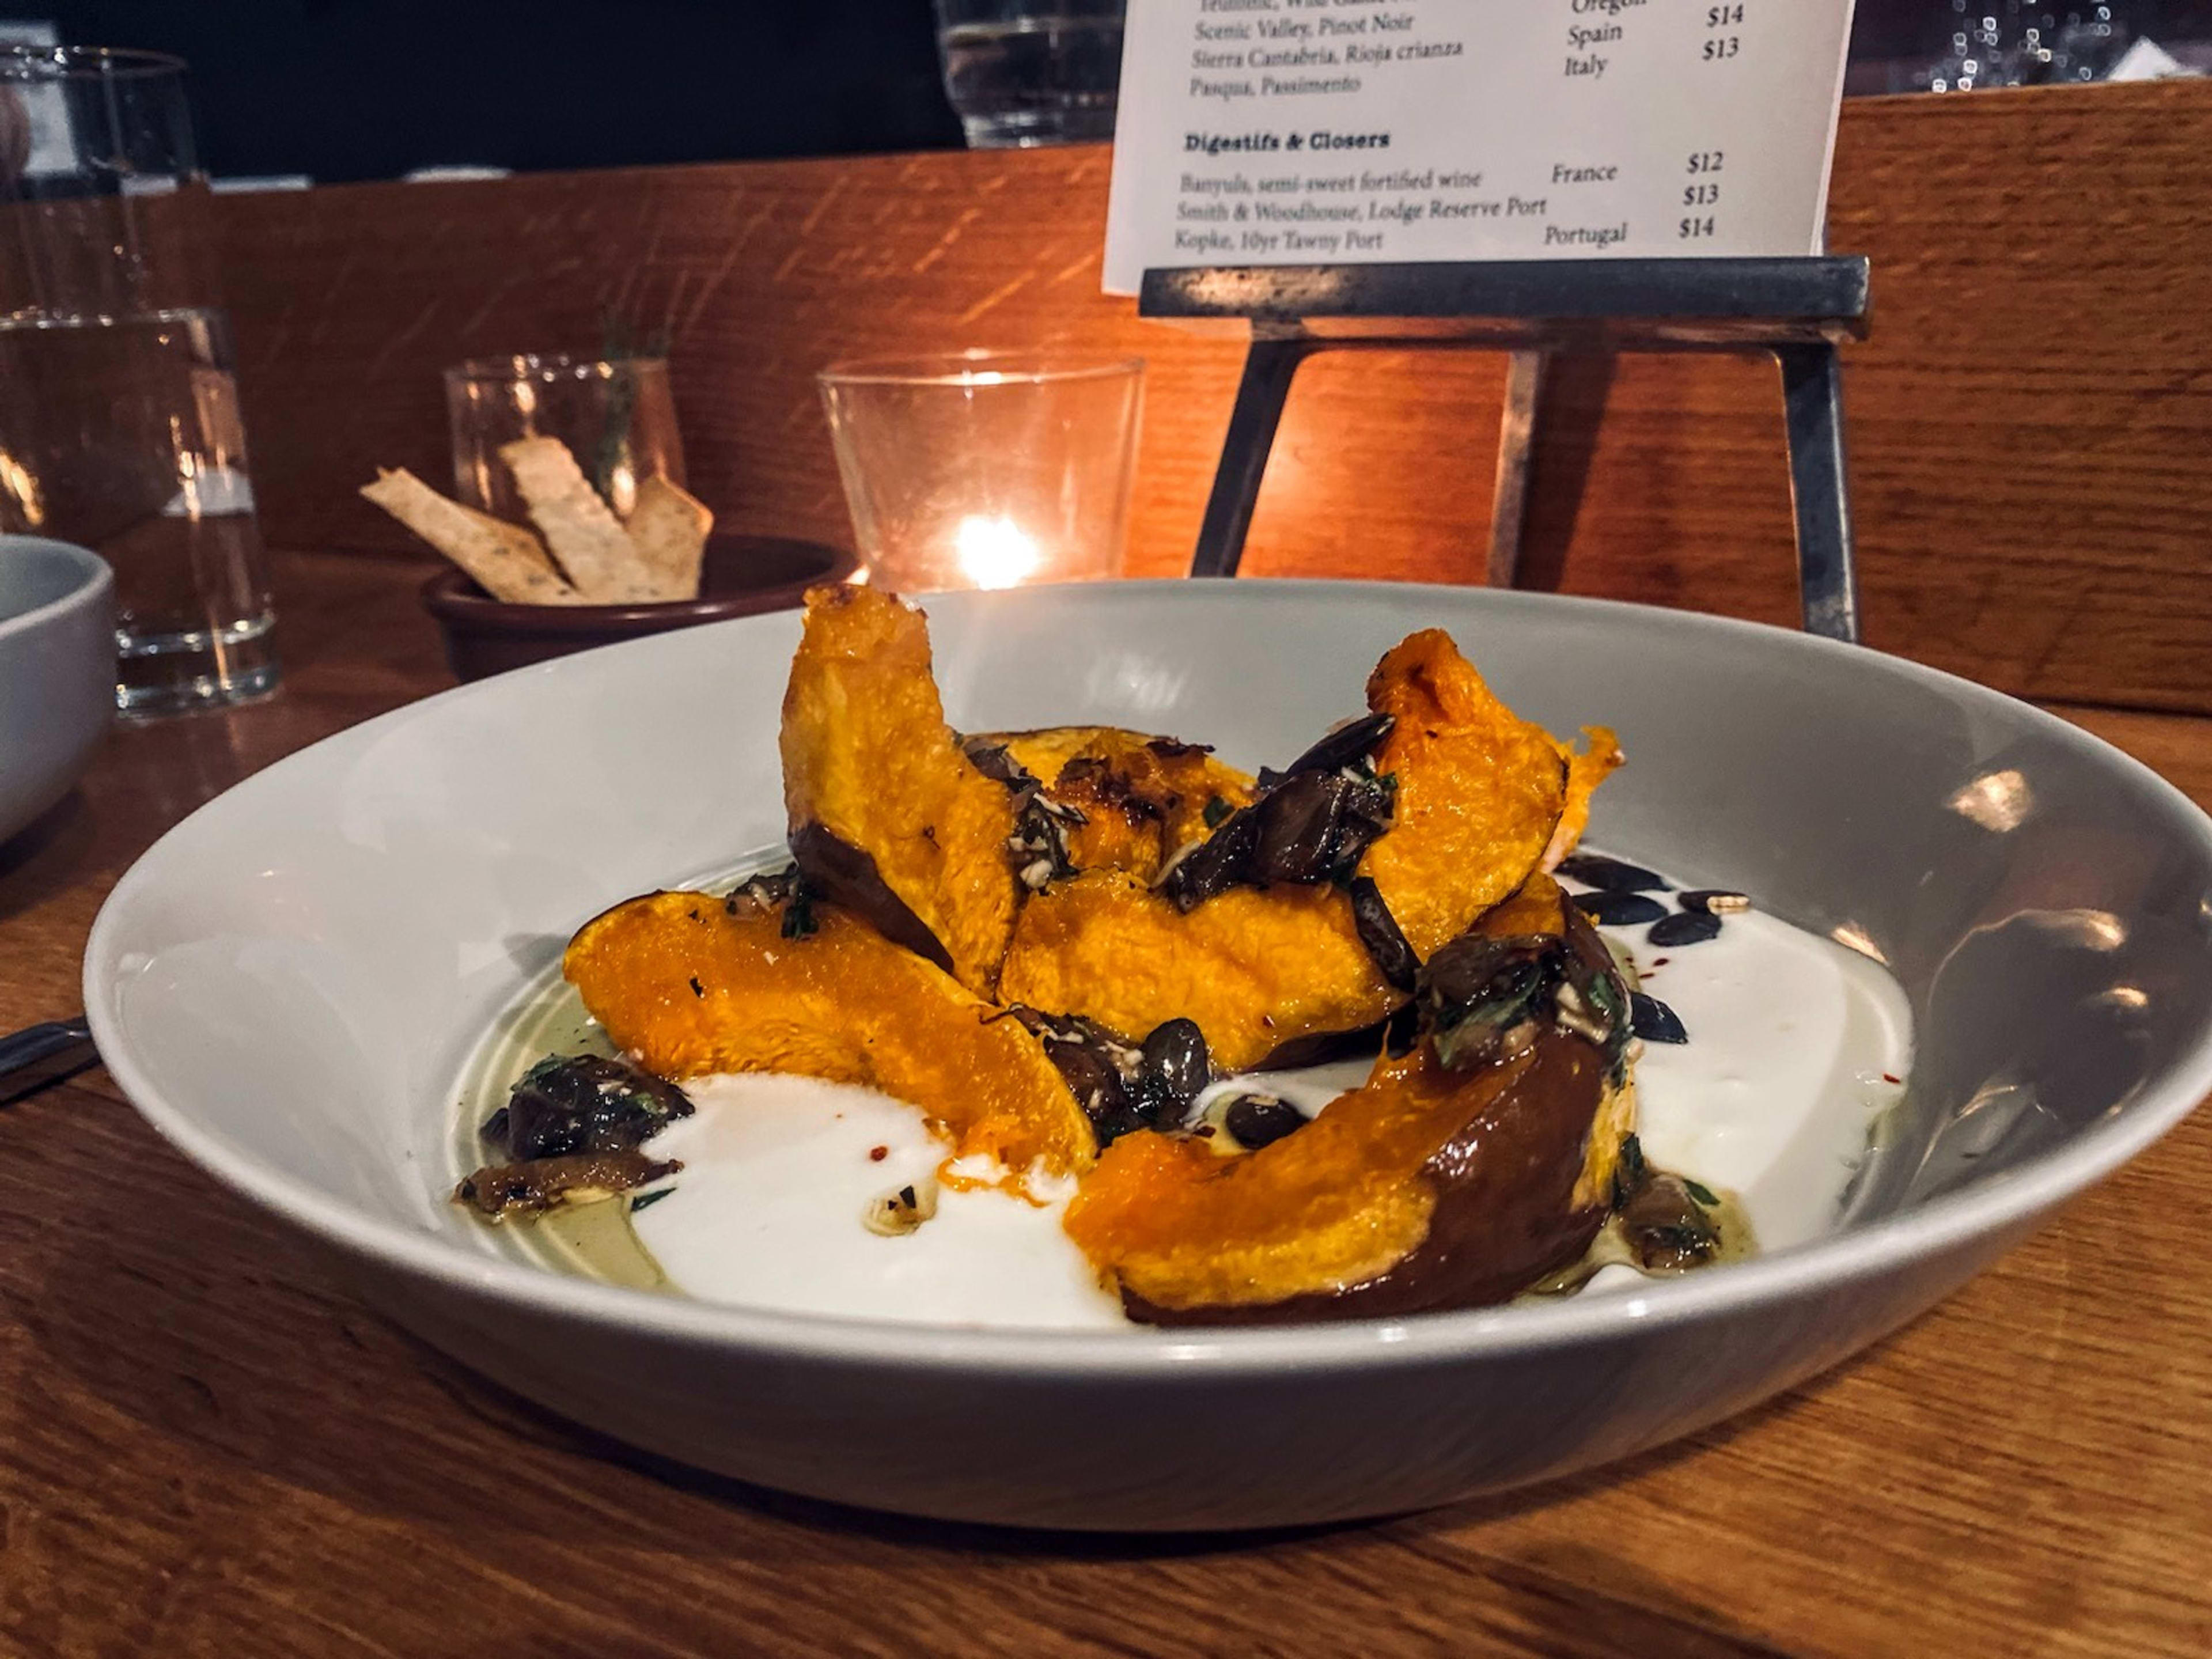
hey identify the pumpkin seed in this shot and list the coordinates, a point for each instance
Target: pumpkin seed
(1653, 1020)
(1685, 928)
(1617, 909)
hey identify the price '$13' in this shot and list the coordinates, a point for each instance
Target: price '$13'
(1702, 163)
(1720, 49)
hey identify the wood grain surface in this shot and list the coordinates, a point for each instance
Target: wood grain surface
(208, 1447)
(2029, 422)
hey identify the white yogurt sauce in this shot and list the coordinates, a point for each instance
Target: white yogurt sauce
(778, 1172)
(1794, 1047)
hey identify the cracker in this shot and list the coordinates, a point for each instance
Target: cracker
(506, 561)
(581, 530)
(668, 527)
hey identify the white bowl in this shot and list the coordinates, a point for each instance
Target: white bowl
(287, 986)
(57, 671)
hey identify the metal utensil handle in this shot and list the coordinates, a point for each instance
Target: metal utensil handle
(39, 1054)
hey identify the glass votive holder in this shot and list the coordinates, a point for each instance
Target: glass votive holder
(986, 468)
(614, 414)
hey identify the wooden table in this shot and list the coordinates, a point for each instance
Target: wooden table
(207, 1447)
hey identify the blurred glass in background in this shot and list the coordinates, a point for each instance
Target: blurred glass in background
(119, 424)
(1022, 73)
(616, 415)
(987, 470)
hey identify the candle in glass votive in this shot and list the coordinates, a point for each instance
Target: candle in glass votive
(983, 470)
(995, 552)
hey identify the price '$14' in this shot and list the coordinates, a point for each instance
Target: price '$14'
(1702, 163)
(1720, 49)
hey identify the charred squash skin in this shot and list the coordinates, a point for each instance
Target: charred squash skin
(887, 816)
(689, 988)
(1427, 1188)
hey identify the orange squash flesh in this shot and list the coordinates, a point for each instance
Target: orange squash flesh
(1254, 969)
(1587, 768)
(887, 815)
(689, 988)
(1480, 791)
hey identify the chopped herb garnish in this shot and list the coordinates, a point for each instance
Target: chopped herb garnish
(1704, 1194)
(1629, 1173)
(644, 1199)
(697, 989)
(1216, 810)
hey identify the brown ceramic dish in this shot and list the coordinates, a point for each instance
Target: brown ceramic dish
(744, 576)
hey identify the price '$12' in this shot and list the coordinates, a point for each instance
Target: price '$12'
(1702, 163)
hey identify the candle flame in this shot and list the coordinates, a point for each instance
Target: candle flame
(995, 552)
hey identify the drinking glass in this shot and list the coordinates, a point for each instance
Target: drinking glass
(987, 470)
(1022, 73)
(119, 422)
(614, 414)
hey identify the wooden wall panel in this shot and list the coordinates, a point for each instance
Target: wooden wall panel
(2030, 422)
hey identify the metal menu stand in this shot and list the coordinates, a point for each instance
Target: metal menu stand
(1799, 309)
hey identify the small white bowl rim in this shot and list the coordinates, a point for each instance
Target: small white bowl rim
(99, 579)
(1991, 1206)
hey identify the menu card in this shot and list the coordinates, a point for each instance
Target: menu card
(1255, 132)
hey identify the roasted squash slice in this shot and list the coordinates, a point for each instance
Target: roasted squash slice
(887, 816)
(690, 987)
(1480, 791)
(1141, 796)
(1478, 794)
(1587, 768)
(1429, 1188)
(1256, 970)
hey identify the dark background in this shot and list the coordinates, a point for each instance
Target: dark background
(341, 89)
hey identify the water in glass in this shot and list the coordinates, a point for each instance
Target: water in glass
(122, 433)
(1022, 76)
